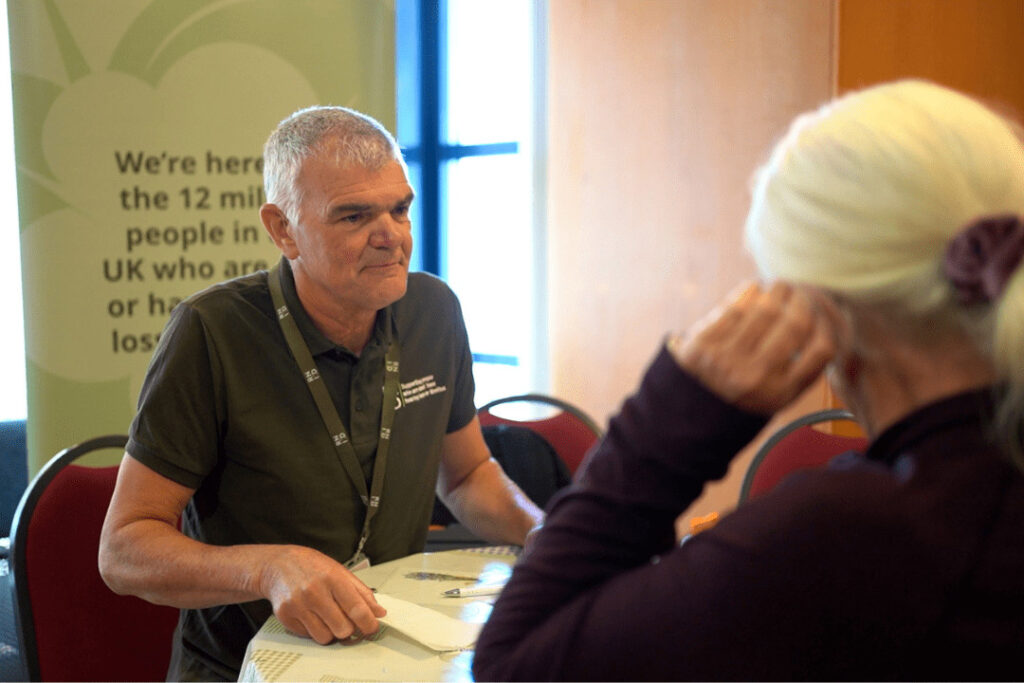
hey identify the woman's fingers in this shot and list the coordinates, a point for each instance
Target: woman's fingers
(760, 349)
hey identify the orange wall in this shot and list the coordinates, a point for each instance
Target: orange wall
(971, 45)
(659, 113)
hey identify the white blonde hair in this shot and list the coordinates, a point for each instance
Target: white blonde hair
(861, 197)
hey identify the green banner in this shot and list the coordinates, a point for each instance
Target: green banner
(139, 126)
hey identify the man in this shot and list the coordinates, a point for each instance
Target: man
(297, 420)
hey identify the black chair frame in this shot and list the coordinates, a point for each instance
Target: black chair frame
(819, 416)
(551, 401)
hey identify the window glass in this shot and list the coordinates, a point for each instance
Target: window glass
(487, 188)
(490, 266)
(489, 74)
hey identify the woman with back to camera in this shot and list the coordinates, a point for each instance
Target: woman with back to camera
(890, 224)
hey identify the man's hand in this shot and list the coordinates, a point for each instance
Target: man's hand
(760, 349)
(143, 553)
(316, 597)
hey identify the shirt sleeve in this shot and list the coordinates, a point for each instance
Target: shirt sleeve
(463, 404)
(175, 430)
(598, 582)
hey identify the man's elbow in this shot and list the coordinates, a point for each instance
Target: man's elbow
(110, 566)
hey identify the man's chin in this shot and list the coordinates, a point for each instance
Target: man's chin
(393, 289)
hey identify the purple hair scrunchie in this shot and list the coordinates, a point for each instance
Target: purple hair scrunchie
(984, 256)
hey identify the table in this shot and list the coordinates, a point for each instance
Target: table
(274, 654)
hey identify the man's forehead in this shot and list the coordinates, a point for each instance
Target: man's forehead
(356, 179)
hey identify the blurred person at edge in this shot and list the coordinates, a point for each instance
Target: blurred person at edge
(275, 403)
(888, 224)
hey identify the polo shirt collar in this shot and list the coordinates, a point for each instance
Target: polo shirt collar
(316, 340)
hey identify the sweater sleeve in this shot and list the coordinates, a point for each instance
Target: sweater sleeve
(593, 584)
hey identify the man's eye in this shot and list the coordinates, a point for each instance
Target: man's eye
(351, 218)
(401, 211)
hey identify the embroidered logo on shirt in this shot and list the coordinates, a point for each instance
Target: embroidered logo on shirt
(421, 388)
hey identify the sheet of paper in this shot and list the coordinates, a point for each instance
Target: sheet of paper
(429, 627)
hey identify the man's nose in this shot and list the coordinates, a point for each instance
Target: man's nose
(385, 231)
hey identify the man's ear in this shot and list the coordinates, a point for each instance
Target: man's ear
(279, 228)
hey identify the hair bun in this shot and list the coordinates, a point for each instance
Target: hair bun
(983, 257)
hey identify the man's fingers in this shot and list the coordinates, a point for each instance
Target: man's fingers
(368, 597)
(314, 596)
(308, 625)
(331, 621)
(319, 630)
(358, 604)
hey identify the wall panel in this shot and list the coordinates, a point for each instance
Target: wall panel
(970, 45)
(659, 113)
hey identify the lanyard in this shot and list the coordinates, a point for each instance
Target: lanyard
(329, 413)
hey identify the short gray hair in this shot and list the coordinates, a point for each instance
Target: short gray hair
(361, 141)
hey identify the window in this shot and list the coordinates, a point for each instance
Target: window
(13, 402)
(468, 79)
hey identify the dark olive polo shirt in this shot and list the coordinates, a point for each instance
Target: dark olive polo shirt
(225, 410)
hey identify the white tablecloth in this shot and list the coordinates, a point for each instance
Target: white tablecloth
(276, 655)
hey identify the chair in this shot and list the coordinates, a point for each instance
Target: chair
(528, 460)
(797, 445)
(570, 431)
(70, 626)
(540, 455)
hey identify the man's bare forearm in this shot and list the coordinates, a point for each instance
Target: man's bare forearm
(492, 506)
(158, 563)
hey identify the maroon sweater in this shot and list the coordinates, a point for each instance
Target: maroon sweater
(904, 563)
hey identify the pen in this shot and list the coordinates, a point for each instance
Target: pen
(469, 591)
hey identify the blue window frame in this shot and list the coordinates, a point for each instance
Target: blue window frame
(467, 121)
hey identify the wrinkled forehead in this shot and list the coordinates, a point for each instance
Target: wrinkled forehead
(371, 152)
(327, 186)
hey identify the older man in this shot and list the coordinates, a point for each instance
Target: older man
(299, 421)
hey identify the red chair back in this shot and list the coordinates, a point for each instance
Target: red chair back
(797, 445)
(72, 627)
(570, 431)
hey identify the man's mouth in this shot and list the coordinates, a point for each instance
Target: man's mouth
(384, 265)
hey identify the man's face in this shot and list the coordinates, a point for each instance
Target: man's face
(352, 237)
